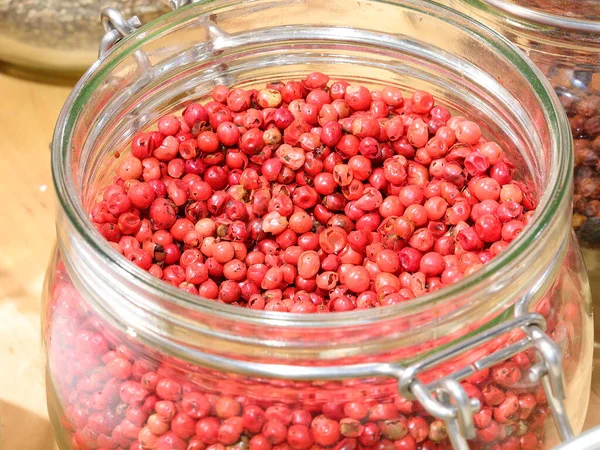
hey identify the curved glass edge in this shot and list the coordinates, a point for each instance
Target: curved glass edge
(538, 17)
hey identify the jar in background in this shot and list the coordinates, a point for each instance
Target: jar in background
(581, 9)
(563, 39)
(118, 340)
(60, 37)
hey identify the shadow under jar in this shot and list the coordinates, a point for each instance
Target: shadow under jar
(127, 353)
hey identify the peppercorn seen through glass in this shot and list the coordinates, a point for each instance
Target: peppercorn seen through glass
(306, 196)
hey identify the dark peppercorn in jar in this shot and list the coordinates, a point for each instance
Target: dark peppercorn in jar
(488, 361)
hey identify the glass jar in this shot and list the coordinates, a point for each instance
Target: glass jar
(60, 37)
(118, 340)
(563, 40)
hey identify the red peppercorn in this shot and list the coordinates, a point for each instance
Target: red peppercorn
(195, 404)
(326, 432)
(194, 113)
(506, 374)
(406, 443)
(275, 432)
(230, 430)
(183, 426)
(490, 433)
(299, 437)
(170, 440)
(488, 228)
(506, 412)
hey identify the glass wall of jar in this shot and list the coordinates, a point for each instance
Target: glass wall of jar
(133, 362)
(563, 39)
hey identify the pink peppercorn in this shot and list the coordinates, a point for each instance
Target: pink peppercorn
(168, 389)
(170, 441)
(358, 97)
(230, 430)
(299, 437)
(326, 432)
(260, 442)
(274, 431)
(195, 405)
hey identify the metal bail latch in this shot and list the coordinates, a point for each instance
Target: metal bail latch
(116, 27)
(446, 399)
(452, 405)
(548, 370)
(176, 4)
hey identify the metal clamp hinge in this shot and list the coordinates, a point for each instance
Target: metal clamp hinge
(447, 400)
(116, 28)
(176, 4)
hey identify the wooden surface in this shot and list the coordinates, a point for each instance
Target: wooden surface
(28, 112)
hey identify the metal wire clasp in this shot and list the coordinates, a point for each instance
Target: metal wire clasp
(447, 400)
(116, 27)
(549, 371)
(176, 4)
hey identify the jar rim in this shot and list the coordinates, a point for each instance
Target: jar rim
(549, 203)
(539, 17)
